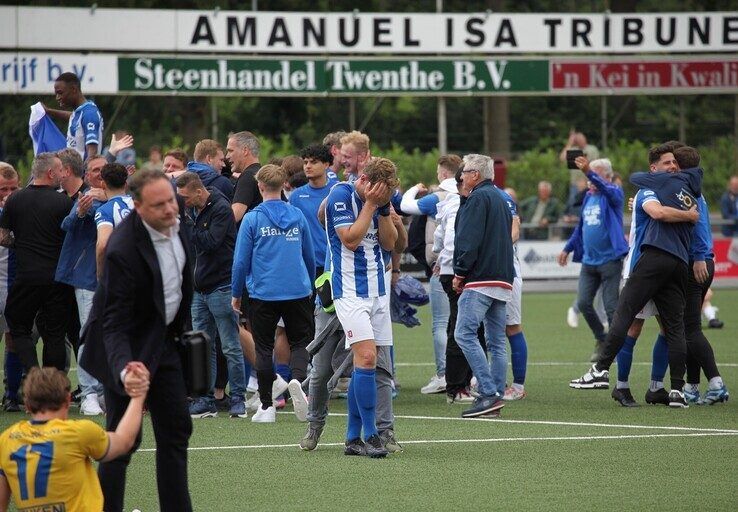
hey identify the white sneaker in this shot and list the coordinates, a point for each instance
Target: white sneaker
(90, 406)
(268, 415)
(279, 386)
(254, 402)
(437, 384)
(513, 393)
(299, 400)
(572, 318)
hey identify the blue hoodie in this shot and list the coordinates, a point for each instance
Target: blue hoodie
(274, 256)
(77, 266)
(210, 178)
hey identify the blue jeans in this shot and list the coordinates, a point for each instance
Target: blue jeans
(440, 312)
(212, 313)
(87, 383)
(475, 308)
(592, 277)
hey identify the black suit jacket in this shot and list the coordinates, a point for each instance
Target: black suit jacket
(127, 321)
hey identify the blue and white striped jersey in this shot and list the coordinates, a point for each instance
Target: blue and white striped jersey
(358, 273)
(85, 127)
(514, 211)
(114, 211)
(637, 229)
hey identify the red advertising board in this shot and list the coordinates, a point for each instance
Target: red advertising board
(626, 76)
(726, 257)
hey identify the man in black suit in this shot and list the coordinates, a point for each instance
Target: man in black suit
(141, 306)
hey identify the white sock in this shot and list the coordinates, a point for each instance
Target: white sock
(716, 383)
(518, 387)
(692, 388)
(656, 385)
(710, 312)
(623, 385)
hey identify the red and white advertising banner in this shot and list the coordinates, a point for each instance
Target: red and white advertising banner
(726, 257)
(644, 75)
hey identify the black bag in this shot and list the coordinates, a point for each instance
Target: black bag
(196, 348)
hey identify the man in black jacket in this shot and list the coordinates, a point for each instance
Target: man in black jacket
(483, 275)
(142, 304)
(214, 240)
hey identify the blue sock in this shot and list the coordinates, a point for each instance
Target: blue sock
(246, 370)
(353, 426)
(283, 370)
(392, 358)
(13, 373)
(625, 358)
(660, 359)
(518, 356)
(366, 398)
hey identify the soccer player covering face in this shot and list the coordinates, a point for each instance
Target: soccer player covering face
(45, 463)
(359, 227)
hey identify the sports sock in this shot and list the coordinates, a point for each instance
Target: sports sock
(517, 386)
(283, 370)
(13, 373)
(625, 360)
(622, 384)
(518, 356)
(716, 383)
(365, 382)
(660, 359)
(353, 425)
(710, 312)
(692, 388)
(656, 385)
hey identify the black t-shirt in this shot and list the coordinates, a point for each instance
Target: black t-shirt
(34, 215)
(247, 191)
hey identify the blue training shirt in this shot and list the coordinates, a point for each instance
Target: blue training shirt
(85, 127)
(598, 248)
(308, 199)
(358, 273)
(677, 190)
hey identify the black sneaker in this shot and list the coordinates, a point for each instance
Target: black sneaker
(593, 379)
(374, 447)
(484, 405)
(223, 404)
(10, 405)
(715, 324)
(355, 447)
(660, 396)
(77, 396)
(677, 400)
(624, 397)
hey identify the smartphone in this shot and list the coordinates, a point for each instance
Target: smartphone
(571, 155)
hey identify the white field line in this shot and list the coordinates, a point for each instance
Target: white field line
(554, 423)
(483, 440)
(559, 363)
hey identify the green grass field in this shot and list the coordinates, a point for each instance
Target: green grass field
(559, 449)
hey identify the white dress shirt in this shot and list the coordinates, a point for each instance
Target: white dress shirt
(171, 256)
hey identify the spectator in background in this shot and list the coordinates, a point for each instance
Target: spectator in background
(577, 140)
(292, 165)
(73, 172)
(598, 242)
(541, 210)
(729, 207)
(154, 163)
(243, 153)
(9, 182)
(207, 165)
(573, 209)
(511, 192)
(333, 141)
(355, 155)
(175, 163)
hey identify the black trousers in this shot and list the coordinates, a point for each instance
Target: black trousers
(48, 301)
(662, 277)
(699, 350)
(458, 372)
(170, 416)
(299, 323)
(221, 365)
